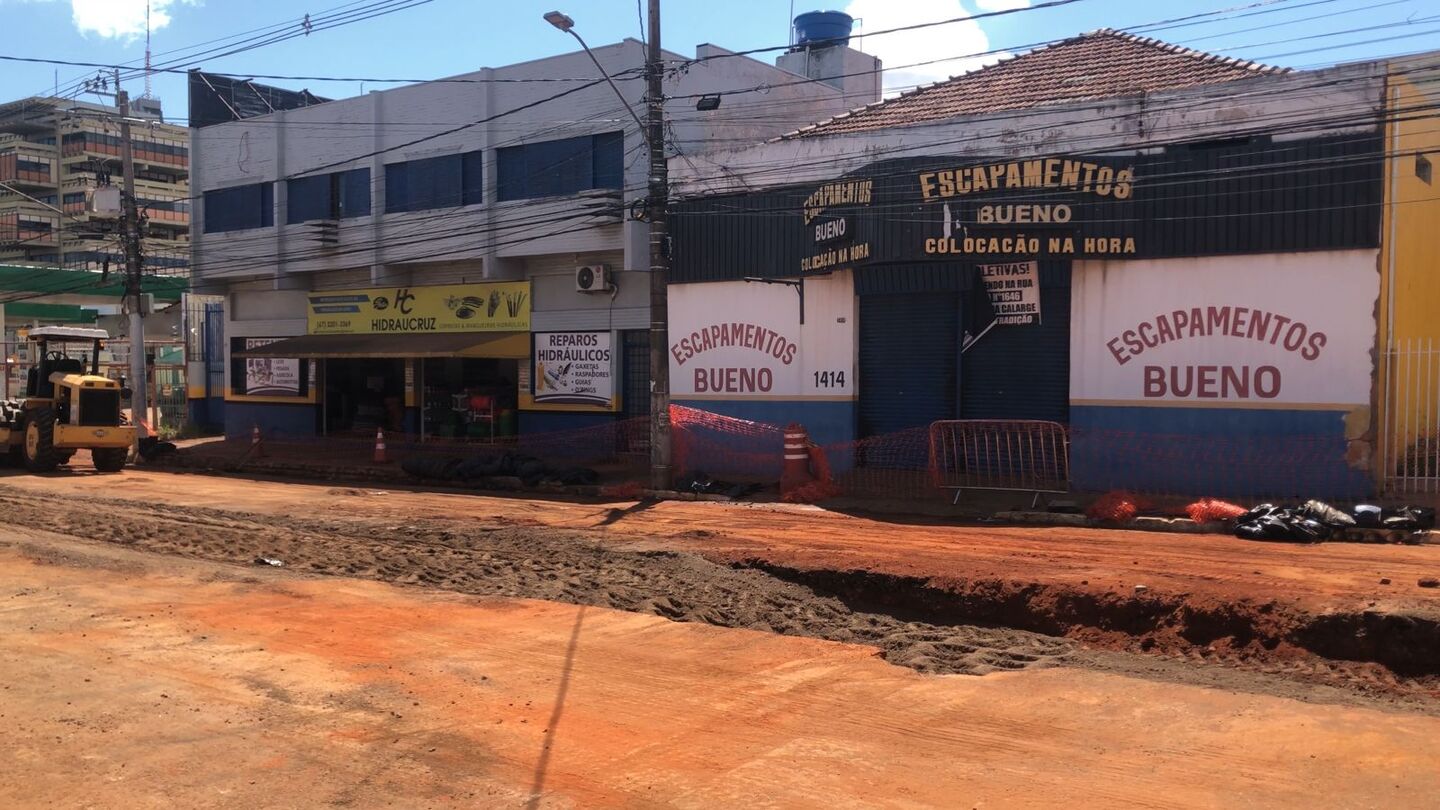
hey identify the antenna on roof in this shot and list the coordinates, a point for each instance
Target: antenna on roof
(147, 50)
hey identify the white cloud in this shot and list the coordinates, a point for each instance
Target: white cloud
(1001, 5)
(923, 55)
(120, 19)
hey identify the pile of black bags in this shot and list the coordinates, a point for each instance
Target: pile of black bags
(1316, 521)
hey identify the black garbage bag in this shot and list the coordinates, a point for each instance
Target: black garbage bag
(150, 448)
(1322, 512)
(437, 469)
(1257, 512)
(1410, 518)
(1271, 523)
(1368, 516)
(576, 477)
(474, 468)
(531, 471)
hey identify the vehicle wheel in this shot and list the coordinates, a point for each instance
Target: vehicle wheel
(40, 455)
(109, 459)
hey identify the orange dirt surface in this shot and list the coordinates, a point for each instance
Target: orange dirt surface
(139, 680)
(1314, 578)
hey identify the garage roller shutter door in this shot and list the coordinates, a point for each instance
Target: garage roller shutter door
(1023, 372)
(908, 346)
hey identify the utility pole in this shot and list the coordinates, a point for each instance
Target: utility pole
(130, 239)
(660, 474)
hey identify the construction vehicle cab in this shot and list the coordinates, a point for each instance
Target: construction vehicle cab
(68, 405)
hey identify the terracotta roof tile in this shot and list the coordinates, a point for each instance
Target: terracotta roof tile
(1100, 64)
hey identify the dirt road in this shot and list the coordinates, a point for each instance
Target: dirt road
(130, 679)
(1344, 615)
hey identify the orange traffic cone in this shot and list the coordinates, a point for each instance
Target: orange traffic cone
(796, 471)
(380, 457)
(256, 447)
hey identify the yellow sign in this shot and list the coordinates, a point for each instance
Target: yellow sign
(501, 306)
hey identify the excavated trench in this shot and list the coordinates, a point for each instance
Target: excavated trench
(1406, 645)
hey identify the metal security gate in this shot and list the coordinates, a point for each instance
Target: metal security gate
(1023, 371)
(908, 352)
(634, 390)
(1410, 447)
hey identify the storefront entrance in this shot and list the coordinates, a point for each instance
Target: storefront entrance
(362, 394)
(468, 398)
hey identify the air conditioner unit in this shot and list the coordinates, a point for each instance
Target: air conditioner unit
(592, 278)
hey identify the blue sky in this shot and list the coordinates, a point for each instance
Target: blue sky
(446, 37)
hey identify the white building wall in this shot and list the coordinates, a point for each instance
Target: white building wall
(384, 127)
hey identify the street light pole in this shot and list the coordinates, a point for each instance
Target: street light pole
(130, 240)
(652, 129)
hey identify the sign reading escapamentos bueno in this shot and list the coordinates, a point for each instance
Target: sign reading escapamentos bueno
(996, 211)
(502, 306)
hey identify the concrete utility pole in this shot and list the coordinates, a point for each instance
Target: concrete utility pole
(653, 131)
(660, 473)
(130, 238)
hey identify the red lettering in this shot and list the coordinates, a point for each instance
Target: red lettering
(701, 380)
(1154, 382)
(675, 352)
(1197, 322)
(1267, 388)
(1166, 333)
(1317, 342)
(1298, 340)
(1237, 380)
(1205, 383)
(1120, 356)
(1149, 341)
(1237, 324)
(1280, 321)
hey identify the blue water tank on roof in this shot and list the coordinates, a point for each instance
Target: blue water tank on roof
(823, 28)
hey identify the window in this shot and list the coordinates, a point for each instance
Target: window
(439, 182)
(339, 195)
(240, 207)
(554, 168)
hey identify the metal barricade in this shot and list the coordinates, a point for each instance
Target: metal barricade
(1000, 455)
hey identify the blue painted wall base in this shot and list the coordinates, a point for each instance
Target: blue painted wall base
(1229, 452)
(276, 421)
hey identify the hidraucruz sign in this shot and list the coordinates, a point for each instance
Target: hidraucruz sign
(502, 306)
(574, 368)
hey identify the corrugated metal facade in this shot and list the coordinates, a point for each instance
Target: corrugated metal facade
(1189, 200)
(908, 345)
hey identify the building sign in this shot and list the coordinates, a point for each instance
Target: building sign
(1023, 208)
(990, 211)
(270, 376)
(763, 351)
(1225, 331)
(502, 306)
(574, 368)
(1014, 291)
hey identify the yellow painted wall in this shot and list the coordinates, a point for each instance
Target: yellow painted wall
(1410, 258)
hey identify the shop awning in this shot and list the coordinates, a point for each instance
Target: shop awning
(507, 345)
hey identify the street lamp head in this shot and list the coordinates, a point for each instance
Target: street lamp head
(560, 21)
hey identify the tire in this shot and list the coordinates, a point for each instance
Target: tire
(64, 456)
(39, 450)
(109, 459)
